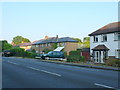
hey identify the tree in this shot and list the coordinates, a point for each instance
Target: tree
(85, 43)
(19, 39)
(5, 45)
(77, 39)
(86, 39)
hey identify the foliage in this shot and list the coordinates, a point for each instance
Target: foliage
(54, 45)
(86, 39)
(29, 54)
(114, 62)
(19, 39)
(85, 43)
(5, 45)
(17, 51)
(74, 53)
(65, 54)
(20, 52)
(75, 56)
(77, 39)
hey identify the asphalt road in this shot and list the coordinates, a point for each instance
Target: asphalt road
(32, 73)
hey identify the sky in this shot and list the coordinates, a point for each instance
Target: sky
(34, 20)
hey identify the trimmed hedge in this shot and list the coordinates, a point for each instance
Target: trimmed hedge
(75, 56)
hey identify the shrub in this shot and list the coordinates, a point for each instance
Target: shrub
(75, 52)
(22, 53)
(83, 59)
(17, 51)
(29, 54)
(65, 54)
(114, 62)
(74, 56)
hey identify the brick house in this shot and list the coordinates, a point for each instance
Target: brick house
(67, 43)
(26, 46)
(104, 43)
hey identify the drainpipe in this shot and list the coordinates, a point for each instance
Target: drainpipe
(57, 40)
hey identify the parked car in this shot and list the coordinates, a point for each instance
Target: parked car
(38, 56)
(7, 53)
(53, 54)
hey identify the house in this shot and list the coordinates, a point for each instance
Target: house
(104, 43)
(51, 43)
(26, 46)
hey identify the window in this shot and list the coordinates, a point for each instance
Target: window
(42, 45)
(104, 38)
(117, 36)
(117, 53)
(36, 45)
(95, 38)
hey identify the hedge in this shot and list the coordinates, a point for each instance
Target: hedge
(75, 56)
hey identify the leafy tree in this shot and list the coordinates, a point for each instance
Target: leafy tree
(85, 43)
(54, 45)
(86, 39)
(19, 39)
(77, 39)
(5, 45)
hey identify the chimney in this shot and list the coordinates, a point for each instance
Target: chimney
(56, 36)
(46, 37)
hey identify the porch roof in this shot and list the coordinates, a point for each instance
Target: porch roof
(100, 48)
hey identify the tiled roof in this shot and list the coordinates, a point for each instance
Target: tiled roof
(25, 44)
(55, 40)
(100, 47)
(110, 28)
(66, 39)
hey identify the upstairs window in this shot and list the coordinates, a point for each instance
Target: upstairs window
(117, 36)
(95, 38)
(104, 38)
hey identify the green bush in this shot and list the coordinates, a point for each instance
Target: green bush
(75, 53)
(83, 59)
(65, 54)
(75, 56)
(17, 51)
(29, 54)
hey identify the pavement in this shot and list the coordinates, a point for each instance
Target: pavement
(32, 73)
(80, 65)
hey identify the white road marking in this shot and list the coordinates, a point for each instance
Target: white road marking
(104, 86)
(34, 68)
(51, 73)
(45, 71)
(12, 63)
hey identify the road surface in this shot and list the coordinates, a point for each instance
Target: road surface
(32, 73)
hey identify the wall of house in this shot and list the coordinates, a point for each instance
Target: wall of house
(70, 46)
(42, 47)
(25, 47)
(111, 43)
(35, 47)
